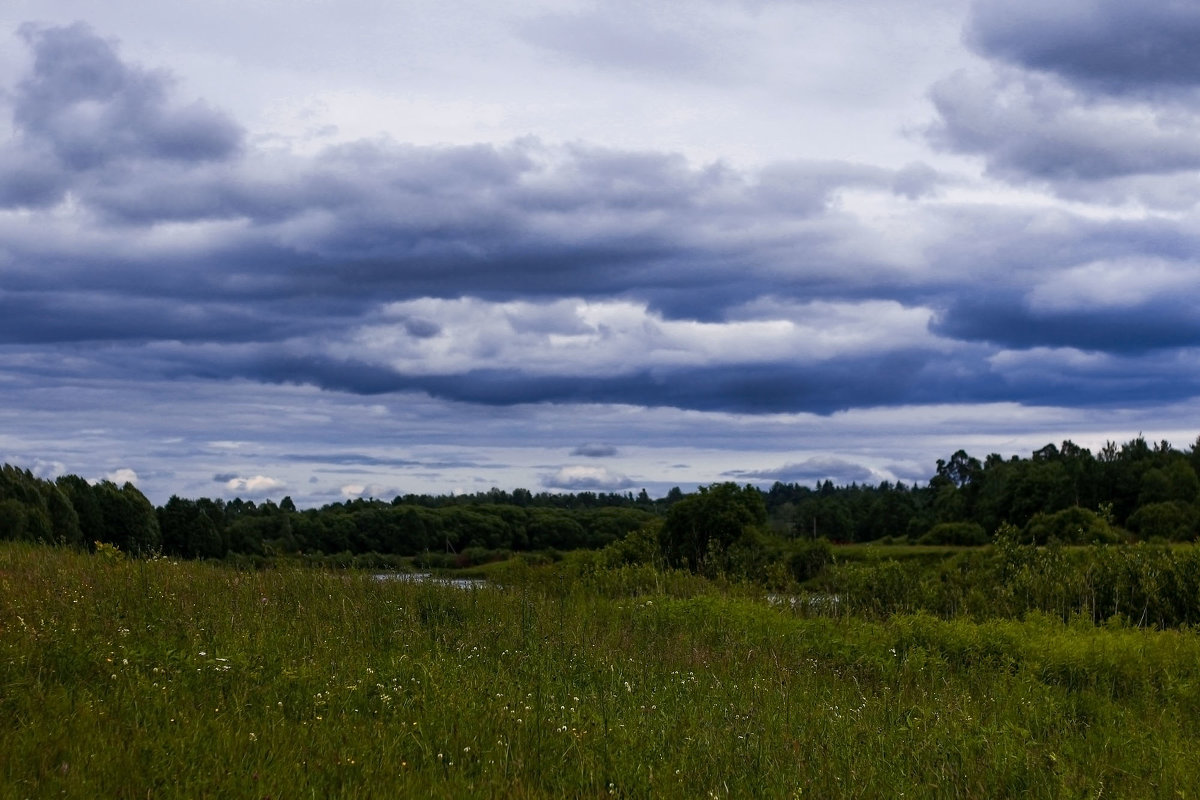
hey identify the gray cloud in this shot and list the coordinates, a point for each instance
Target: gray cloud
(1009, 321)
(580, 479)
(624, 42)
(817, 468)
(90, 108)
(337, 233)
(30, 178)
(204, 258)
(595, 450)
(421, 328)
(1030, 127)
(916, 180)
(1094, 99)
(1105, 45)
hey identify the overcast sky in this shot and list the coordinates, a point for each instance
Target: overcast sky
(367, 247)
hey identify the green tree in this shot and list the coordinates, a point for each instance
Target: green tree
(129, 521)
(701, 528)
(64, 521)
(84, 499)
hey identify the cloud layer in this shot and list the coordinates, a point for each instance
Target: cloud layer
(149, 238)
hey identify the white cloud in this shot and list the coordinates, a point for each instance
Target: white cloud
(581, 478)
(379, 490)
(1049, 359)
(122, 476)
(1119, 283)
(584, 337)
(259, 484)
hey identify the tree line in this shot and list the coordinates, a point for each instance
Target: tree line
(1065, 493)
(1135, 490)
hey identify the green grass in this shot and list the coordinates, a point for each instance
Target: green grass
(874, 551)
(164, 679)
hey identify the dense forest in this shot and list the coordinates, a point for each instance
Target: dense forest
(1064, 493)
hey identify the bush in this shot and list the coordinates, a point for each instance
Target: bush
(955, 533)
(1171, 520)
(640, 546)
(808, 558)
(1073, 525)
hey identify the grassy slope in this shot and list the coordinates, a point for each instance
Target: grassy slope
(160, 679)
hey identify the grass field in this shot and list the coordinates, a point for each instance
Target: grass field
(124, 678)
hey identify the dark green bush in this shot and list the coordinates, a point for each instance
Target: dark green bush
(1072, 525)
(955, 533)
(1173, 520)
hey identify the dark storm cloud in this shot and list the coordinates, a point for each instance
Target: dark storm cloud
(43, 317)
(1088, 380)
(905, 378)
(364, 223)
(184, 253)
(1008, 321)
(361, 224)
(1106, 45)
(890, 379)
(817, 468)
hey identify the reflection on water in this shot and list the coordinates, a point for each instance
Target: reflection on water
(825, 602)
(425, 577)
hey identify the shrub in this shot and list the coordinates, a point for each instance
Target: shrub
(1170, 520)
(808, 558)
(955, 533)
(1073, 525)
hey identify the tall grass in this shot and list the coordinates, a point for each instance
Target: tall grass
(1142, 584)
(162, 679)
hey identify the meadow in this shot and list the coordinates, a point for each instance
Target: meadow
(155, 678)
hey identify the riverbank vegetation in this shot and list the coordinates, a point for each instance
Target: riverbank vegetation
(124, 677)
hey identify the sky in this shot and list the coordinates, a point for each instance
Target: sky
(367, 248)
